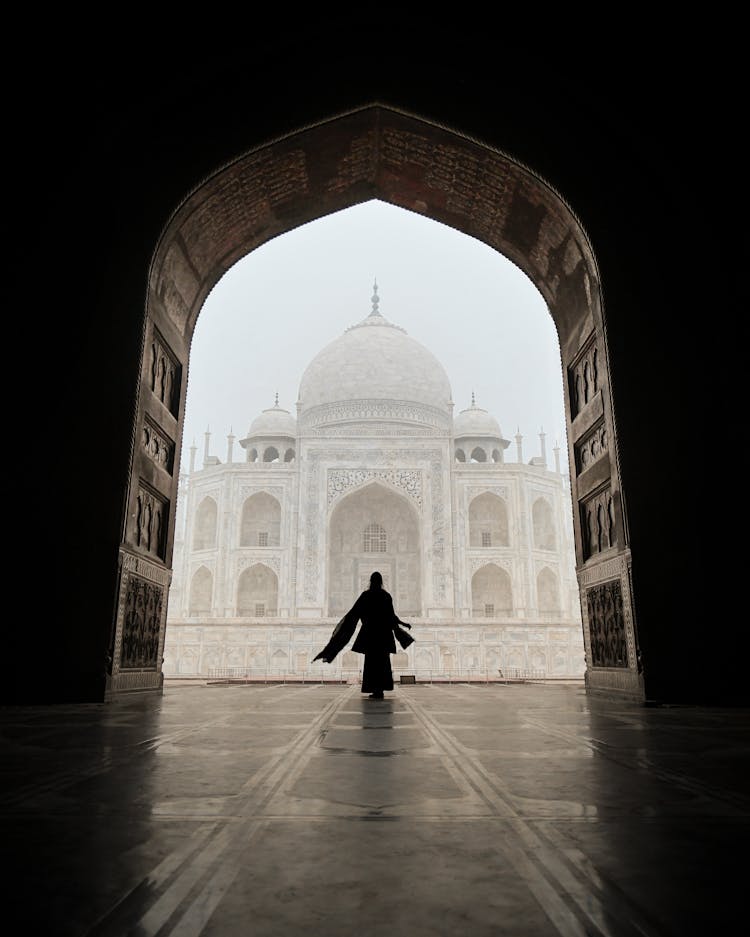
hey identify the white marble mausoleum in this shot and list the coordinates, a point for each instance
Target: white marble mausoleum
(375, 471)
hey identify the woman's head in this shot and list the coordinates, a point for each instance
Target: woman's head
(376, 581)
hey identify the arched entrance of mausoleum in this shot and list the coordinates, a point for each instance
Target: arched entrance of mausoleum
(377, 152)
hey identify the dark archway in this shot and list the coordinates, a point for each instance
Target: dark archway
(377, 152)
(627, 166)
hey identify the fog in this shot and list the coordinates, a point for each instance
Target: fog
(472, 308)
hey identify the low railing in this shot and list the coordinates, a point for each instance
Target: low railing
(505, 675)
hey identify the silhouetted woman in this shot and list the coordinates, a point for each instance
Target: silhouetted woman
(375, 639)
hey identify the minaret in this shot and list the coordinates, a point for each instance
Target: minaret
(193, 450)
(230, 444)
(543, 446)
(207, 437)
(519, 444)
(556, 450)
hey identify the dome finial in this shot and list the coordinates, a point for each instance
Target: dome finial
(473, 399)
(375, 299)
(276, 401)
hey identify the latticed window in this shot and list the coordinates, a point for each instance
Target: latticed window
(486, 538)
(364, 583)
(374, 539)
(260, 609)
(262, 538)
(489, 611)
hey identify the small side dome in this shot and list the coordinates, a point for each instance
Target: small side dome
(275, 421)
(475, 422)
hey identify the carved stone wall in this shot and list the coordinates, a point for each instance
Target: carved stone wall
(157, 445)
(151, 521)
(165, 373)
(598, 524)
(591, 447)
(140, 624)
(475, 649)
(607, 625)
(584, 379)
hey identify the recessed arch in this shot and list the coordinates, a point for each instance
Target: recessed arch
(257, 592)
(543, 521)
(548, 590)
(201, 592)
(491, 592)
(372, 528)
(204, 532)
(488, 521)
(405, 160)
(260, 521)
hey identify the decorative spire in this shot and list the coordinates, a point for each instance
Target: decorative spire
(473, 400)
(375, 299)
(276, 401)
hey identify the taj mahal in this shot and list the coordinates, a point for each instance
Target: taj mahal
(375, 472)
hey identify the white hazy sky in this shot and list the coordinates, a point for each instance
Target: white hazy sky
(472, 308)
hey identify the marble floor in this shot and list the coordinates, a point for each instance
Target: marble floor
(310, 809)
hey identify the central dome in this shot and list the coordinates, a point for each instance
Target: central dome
(375, 371)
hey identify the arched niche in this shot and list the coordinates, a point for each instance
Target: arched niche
(376, 152)
(201, 592)
(204, 529)
(543, 522)
(491, 592)
(260, 521)
(257, 592)
(488, 521)
(374, 528)
(547, 591)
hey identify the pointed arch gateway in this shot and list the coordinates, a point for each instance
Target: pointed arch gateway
(377, 152)
(374, 528)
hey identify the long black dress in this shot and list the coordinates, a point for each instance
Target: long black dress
(381, 627)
